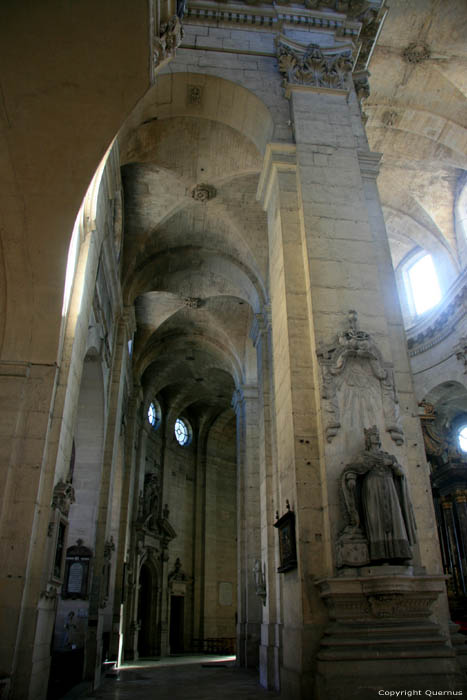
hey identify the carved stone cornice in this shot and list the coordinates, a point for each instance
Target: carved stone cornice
(166, 43)
(437, 325)
(384, 596)
(314, 66)
(272, 17)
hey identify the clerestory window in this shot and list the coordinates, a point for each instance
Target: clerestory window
(422, 285)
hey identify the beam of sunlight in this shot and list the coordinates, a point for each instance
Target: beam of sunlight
(424, 283)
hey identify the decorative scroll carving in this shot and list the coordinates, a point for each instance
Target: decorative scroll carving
(63, 497)
(170, 37)
(357, 347)
(313, 67)
(380, 523)
(203, 192)
(434, 443)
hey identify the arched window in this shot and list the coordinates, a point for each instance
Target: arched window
(462, 437)
(154, 414)
(422, 285)
(183, 432)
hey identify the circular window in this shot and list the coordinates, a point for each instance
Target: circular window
(462, 434)
(182, 432)
(154, 414)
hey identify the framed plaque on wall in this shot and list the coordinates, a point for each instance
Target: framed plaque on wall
(77, 563)
(287, 544)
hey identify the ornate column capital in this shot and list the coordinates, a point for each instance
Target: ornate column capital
(313, 66)
(260, 324)
(244, 393)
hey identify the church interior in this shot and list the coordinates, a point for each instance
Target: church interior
(233, 342)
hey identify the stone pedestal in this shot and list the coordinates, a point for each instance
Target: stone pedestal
(380, 637)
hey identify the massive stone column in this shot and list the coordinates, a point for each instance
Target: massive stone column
(98, 598)
(340, 365)
(248, 525)
(299, 445)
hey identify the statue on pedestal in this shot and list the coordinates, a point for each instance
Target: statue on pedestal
(150, 501)
(381, 526)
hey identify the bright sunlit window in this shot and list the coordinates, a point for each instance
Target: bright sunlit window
(463, 438)
(424, 284)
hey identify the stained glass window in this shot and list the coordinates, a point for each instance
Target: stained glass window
(154, 414)
(182, 432)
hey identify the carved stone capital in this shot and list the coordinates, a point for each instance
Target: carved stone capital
(260, 325)
(170, 37)
(245, 393)
(314, 66)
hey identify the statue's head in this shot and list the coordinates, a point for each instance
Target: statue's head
(372, 437)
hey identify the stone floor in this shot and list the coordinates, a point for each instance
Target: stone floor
(187, 678)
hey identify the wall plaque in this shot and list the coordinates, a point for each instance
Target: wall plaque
(77, 564)
(287, 544)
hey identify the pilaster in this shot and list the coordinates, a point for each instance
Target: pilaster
(299, 460)
(269, 651)
(249, 611)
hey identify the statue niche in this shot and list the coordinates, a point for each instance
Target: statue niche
(380, 523)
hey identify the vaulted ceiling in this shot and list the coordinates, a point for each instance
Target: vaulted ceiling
(195, 258)
(417, 117)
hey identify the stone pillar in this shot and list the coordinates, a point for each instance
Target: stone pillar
(199, 537)
(248, 526)
(299, 458)
(455, 562)
(135, 456)
(329, 256)
(26, 396)
(269, 651)
(98, 595)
